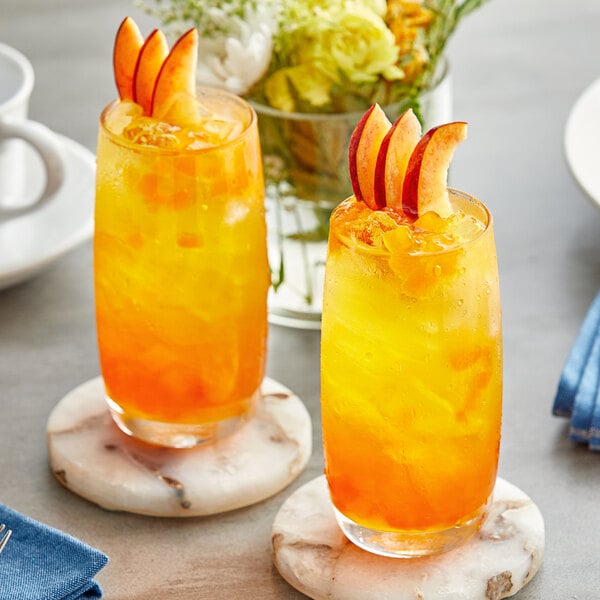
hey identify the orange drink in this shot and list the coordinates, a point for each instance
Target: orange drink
(181, 273)
(411, 371)
(411, 361)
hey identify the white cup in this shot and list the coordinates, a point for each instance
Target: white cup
(16, 84)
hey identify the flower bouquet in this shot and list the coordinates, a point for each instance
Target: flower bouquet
(311, 68)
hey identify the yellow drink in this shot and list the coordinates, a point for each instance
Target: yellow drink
(181, 273)
(411, 375)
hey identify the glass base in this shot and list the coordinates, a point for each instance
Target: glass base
(178, 435)
(409, 544)
(295, 319)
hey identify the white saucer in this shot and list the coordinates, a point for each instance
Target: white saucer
(31, 242)
(582, 141)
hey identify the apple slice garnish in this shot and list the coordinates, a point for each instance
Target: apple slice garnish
(150, 59)
(362, 154)
(128, 43)
(426, 180)
(392, 159)
(174, 96)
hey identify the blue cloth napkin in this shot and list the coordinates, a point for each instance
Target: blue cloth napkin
(578, 394)
(41, 563)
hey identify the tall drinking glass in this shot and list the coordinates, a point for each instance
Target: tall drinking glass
(181, 272)
(411, 376)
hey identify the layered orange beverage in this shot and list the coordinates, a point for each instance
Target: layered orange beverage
(411, 346)
(181, 273)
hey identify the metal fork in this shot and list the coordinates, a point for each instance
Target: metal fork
(4, 539)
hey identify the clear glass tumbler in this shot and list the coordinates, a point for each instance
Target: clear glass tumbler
(181, 271)
(411, 383)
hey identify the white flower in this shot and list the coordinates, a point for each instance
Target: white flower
(240, 58)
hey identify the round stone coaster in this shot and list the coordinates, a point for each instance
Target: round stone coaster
(314, 556)
(92, 457)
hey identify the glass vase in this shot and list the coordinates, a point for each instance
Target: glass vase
(305, 157)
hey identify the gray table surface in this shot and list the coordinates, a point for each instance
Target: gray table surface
(518, 67)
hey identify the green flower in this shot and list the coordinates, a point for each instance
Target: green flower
(345, 42)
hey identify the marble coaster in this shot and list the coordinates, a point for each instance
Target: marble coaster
(312, 554)
(92, 457)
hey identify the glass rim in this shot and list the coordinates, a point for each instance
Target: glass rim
(118, 139)
(382, 252)
(443, 67)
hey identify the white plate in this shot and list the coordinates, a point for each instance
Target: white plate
(31, 242)
(582, 141)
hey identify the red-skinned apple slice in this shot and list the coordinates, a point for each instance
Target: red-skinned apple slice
(174, 94)
(150, 59)
(426, 180)
(128, 43)
(392, 159)
(362, 154)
